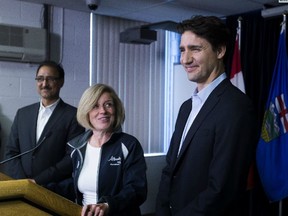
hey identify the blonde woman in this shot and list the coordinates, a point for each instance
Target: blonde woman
(109, 168)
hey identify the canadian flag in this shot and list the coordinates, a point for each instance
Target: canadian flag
(236, 76)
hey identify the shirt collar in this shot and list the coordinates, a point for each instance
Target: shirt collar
(205, 92)
(49, 107)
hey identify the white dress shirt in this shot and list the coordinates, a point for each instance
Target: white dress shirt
(43, 117)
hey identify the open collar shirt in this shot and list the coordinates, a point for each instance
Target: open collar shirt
(198, 99)
(43, 116)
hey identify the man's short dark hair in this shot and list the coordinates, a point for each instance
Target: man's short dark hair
(211, 28)
(52, 64)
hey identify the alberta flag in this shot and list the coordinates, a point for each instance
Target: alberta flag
(236, 76)
(272, 150)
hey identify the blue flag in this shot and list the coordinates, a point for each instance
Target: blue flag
(272, 150)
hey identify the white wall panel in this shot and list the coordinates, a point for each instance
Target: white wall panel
(136, 72)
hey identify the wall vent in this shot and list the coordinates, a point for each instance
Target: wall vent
(22, 44)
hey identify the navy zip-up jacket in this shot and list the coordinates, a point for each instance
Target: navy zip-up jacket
(122, 179)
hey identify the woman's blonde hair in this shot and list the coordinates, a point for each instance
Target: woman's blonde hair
(90, 98)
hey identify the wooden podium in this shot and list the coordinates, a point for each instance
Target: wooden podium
(22, 197)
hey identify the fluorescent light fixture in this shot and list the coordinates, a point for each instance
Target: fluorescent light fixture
(276, 11)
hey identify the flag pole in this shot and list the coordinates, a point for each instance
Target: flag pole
(283, 23)
(280, 208)
(239, 31)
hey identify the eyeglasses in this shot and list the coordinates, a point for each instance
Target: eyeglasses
(49, 79)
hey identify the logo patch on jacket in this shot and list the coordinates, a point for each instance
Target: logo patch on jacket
(115, 161)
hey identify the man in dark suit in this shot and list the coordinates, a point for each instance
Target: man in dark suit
(49, 124)
(215, 133)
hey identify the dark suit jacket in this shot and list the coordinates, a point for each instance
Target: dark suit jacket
(209, 175)
(50, 162)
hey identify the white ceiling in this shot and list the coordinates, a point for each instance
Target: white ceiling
(163, 10)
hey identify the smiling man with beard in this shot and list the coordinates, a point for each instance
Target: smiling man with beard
(49, 124)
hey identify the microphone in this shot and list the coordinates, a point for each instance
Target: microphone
(28, 151)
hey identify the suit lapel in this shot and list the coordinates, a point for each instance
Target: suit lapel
(183, 115)
(34, 119)
(208, 106)
(182, 119)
